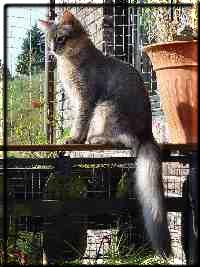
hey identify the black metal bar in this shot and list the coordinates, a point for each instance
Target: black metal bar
(29, 162)
(50, 85)
(101, 4)
(193, 212)
(91, 207)
(84, 147)
(121, 29)
(171, 11)
(108, 28)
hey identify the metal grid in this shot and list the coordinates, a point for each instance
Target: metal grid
(95, 178)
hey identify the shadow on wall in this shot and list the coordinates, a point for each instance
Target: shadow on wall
(188, 121)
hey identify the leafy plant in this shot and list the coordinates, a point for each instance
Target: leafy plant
(13, 253)
(133, 256)
(26, 123)
(166, 23)
(113, 256)
(122, 186)
(61, 188)
(63, 136)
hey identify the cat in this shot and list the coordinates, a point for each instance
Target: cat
(112, 107)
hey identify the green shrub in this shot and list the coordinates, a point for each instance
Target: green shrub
(25, 122)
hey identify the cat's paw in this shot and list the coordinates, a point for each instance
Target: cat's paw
(97, 140)
(72, 140)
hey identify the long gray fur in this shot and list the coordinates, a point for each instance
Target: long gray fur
(112, 106)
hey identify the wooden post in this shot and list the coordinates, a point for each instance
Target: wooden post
(193, 214)
(49, 70)
(189, 223)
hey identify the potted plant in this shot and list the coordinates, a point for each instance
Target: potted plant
(175, 60)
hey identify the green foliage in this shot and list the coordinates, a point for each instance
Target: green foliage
(26, 123)
(22, 247)
(66, 134)
(7, 72)
(64, 188)
(122, 186)
(32, 57)
(113, 257)
(165, 24)
(136, 258)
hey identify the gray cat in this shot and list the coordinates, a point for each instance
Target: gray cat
(112, 107)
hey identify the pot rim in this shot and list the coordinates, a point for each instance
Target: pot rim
(150, 46)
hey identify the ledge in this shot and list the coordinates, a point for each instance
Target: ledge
(86, 147)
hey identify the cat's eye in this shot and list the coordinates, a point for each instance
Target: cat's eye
(61, 39)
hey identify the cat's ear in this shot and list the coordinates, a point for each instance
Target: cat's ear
(71, 22)
(45, 26)
(68, 18)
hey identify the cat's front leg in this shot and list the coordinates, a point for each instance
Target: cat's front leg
(80, 126)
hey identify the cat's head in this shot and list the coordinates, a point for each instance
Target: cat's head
(64, 36)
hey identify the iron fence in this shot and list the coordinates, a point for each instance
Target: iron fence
(81, 195)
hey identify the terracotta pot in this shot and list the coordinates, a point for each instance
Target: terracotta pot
(176, 66)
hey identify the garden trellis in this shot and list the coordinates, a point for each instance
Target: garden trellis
(43, 116)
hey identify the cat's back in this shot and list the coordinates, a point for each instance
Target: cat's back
(116, 71)
(120, 68)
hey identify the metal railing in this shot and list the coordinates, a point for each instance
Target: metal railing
(97, 204)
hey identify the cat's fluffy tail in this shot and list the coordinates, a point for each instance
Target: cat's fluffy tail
(149, 188)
